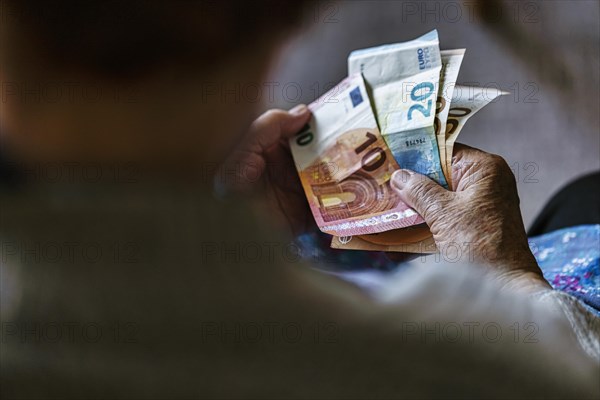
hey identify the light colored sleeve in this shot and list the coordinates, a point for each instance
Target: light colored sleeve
(585, 324)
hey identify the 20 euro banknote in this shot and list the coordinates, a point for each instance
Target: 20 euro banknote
(466, 101)
(403, 81)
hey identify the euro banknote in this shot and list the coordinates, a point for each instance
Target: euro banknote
(403, 81)
(400, 107)
(466, 101)
(423, 246)
(345, 165)
(451, 61)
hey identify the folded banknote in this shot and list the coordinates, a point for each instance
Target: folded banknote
(403, 80)
(345, 165)
(466, 101)
(451, 61)
(400, 108)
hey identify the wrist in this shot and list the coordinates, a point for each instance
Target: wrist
(524, 281)
(519, 270)
(514, 265)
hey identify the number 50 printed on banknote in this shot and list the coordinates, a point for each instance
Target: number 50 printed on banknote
(345, 165)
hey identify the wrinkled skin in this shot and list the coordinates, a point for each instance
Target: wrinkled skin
(478, 222)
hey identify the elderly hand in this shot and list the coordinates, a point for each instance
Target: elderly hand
(480, 222)
(264, 155)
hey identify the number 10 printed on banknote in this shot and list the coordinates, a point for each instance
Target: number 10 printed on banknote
(400, 107)
(345, 165)
(348, 151)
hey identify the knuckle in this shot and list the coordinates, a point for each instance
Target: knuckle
(423, 189)
(273, 114)
(498, 163)
(500, 169)
(425, 193)
(267, 119)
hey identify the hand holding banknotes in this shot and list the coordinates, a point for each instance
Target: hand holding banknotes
(263, 155)
(375, 160)
(482, 214)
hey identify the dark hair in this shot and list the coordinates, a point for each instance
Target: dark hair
(122, 38)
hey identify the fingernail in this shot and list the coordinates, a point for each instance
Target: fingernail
(300, 109)
(400, 177)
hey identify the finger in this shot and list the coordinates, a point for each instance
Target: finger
(248, 161)
(464, 159)
(274, 125)
(421, 193)
(462, 151)
(470, 164)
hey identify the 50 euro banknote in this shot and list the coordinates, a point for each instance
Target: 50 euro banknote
(345, 165)
(451, 61)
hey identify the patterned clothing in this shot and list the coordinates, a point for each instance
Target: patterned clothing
(569, 259)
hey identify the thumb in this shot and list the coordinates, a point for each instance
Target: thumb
(421, 193)
(274, 125)
(242, 169)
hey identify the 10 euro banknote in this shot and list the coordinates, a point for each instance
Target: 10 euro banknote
(397, 109)
(345, 165)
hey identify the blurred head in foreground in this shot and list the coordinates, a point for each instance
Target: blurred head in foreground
(134, 81)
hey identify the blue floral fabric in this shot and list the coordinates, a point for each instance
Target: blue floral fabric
(569, 259)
